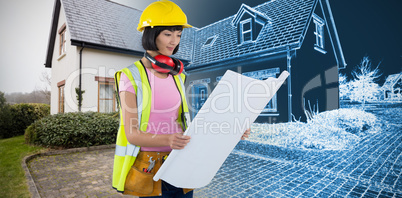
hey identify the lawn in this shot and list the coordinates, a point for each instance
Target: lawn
(12, 177)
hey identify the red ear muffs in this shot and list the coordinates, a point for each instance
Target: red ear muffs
(165, 64)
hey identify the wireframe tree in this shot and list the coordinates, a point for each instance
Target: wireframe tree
(364, 87)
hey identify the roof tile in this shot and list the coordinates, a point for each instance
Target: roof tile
(288, 20)
(103, 22)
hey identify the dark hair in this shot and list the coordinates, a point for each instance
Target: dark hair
(149, 36)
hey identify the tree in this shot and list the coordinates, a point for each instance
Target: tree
(48, 83)
(5, 118)
(2, 100)
(363, 87)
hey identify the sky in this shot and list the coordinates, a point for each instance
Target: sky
(25, 27)
(365, 28)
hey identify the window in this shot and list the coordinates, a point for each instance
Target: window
(245, 31)
(249, 23)
(199, 94)
(106, 95)
(62, 35)
(272, 106)
(210, 41)
(319, 34)
(60, 85)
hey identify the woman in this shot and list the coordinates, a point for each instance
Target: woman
(153, 106)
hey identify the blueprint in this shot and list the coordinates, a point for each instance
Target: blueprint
(230, 109)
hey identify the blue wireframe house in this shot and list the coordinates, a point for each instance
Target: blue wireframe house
(392, 87)
(294, 35)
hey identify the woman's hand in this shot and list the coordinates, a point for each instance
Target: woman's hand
(178, 141)
(246, 134)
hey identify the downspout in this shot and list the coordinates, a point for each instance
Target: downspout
(289, 67)
(80, 79)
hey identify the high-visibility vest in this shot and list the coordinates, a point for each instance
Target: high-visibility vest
(126, 153)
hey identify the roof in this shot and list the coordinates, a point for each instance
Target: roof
(98, 24)
(245, 8)
(391, 81)
(287, 23)
(103, 22)
(106, 25)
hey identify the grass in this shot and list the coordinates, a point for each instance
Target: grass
(12, 177)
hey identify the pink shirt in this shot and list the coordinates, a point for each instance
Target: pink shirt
(165, 105)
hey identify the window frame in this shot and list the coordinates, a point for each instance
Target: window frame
(62, 40)
(263, 75)
(61, 96)
(106, 81)
(242, 32)
(319, 34)
(210, 41)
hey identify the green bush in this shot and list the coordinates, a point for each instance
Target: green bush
(20, 116)
(5, 118)
(72, 130)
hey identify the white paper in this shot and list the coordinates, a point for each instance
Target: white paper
(230, 109)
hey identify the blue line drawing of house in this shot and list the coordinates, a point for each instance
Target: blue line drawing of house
(262, 41)
(392, 87)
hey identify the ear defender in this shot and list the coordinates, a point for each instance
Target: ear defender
(165, 64)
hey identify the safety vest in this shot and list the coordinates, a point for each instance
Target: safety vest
(126, 153)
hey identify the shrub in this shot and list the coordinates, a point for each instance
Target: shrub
(20, 116)
(72, 130)
(330, 130)
(5, 118)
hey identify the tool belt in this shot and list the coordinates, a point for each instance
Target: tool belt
(139, 181)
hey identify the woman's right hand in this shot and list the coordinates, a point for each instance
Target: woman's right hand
(178, 141)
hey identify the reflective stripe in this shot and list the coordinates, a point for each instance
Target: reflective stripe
(130, 150)
(120, 150)
(136, 75)
(188, 119)
(182, 85)
(185, 114)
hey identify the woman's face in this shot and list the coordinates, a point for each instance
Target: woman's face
(167, 41)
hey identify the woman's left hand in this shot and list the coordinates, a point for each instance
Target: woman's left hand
(246, 134)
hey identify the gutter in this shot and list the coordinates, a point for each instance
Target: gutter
(289, 68)
(271, 53)
(80, 79)
(107, 48)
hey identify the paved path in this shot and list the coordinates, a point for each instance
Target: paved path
(82, 174)
(372, 169)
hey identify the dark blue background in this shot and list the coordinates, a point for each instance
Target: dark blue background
(365, 27)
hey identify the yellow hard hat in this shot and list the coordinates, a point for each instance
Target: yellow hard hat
(162, 13)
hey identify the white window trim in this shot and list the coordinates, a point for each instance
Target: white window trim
(212, 42)
(242, 32)
(319, 34)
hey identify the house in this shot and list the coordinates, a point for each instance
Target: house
(392, 87)
(89, 41)
(298, 36)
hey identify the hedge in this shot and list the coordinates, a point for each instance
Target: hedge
(72, 130)
(20, 116)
